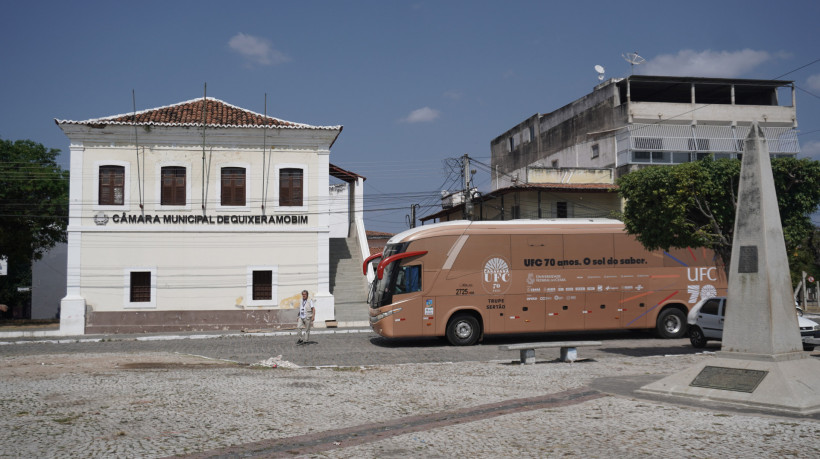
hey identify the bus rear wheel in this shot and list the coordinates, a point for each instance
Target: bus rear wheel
(671, 324)
(463, 330)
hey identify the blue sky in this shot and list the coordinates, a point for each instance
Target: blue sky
(413, 83)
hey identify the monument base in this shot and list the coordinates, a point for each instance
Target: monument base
(786, 385)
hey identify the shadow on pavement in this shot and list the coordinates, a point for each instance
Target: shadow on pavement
(495, 340)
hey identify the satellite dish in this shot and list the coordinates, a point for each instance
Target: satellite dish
(633, 59)
(600, 70)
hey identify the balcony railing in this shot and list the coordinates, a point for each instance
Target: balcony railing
(674, 144)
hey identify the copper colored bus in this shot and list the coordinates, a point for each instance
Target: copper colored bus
(464, 280)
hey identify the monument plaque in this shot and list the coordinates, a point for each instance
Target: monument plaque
(748, 259)
(734, 379)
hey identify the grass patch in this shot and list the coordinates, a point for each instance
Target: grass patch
(68, 420)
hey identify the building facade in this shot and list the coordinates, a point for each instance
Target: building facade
(196, 216)
(536, 201)
(629, 123)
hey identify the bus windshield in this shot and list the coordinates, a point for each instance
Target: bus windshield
(383, 288)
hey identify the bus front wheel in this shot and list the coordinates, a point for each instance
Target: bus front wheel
(463, 330)
(671, 324)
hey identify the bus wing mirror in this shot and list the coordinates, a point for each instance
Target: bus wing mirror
(383, 264)
(368, 260)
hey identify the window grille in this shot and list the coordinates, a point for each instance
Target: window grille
(262, 282)
(140, 286)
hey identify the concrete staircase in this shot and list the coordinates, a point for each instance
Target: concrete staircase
(347, 284)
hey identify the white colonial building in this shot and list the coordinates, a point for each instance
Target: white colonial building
(196, 216)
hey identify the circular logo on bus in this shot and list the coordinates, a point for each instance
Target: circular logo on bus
(497, 275)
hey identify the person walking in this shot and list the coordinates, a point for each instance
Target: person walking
(306, 314)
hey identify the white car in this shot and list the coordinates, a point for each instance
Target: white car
(706, 323)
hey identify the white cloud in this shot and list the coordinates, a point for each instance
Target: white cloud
(421, 115)
(814, 82)
(454, 95)
(708, 63)
(811, 150)
(257, 50)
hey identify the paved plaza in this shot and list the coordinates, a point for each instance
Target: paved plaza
(353, 394)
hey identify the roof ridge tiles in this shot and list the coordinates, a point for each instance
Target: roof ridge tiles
(233, 117)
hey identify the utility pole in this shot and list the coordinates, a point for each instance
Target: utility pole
(413, 215)
(468, 199)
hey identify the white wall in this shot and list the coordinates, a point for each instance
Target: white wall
(339, 210)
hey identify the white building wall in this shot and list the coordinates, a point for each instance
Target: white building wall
(195, 270)
(339, 210)
(201, 254)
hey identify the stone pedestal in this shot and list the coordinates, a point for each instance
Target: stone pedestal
(762, 364)
(325, 307)
(788, 385)
(72, 315)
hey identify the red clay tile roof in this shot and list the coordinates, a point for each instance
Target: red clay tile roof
(189, 113)
(345, 175)
(378, 234)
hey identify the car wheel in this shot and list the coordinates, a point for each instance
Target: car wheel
(808, 347)
(671, 324)
(463, 330)
(697, 338)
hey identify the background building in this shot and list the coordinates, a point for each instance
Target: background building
(628, 123)
(564, 164)
(194, 216)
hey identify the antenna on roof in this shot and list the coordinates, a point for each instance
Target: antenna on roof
(266, 177)
(633, 59)
(204, 125)
(600, 70)
(137, 147)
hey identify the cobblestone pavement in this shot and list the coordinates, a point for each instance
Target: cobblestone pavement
(342, 347)
(127, 398)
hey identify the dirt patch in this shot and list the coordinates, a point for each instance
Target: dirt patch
(28, 325)
(59, 364)
(175, 365)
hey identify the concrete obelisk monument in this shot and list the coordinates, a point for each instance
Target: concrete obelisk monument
(762, 363)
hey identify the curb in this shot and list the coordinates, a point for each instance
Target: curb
(345, 328)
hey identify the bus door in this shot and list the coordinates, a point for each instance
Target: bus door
(429, 315)
(407, 296)
(524, 313)
(564, 311)
(601, 310)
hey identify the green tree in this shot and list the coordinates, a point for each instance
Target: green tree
(693, 204)
(33, 209)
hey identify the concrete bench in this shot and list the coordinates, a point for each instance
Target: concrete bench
(569, 352)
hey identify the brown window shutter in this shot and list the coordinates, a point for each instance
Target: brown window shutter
(290, 187)
(112, 185)
(233, 186)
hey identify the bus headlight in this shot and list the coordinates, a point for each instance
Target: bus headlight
(384, 314)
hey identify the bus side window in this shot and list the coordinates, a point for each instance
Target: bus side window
(409, 279)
